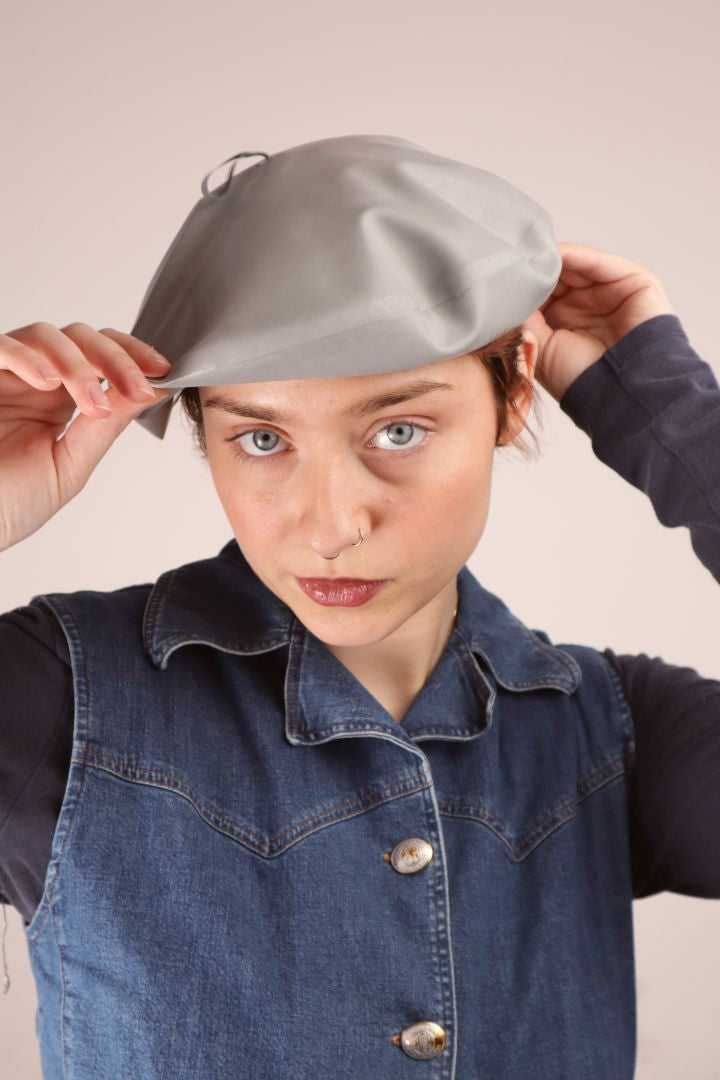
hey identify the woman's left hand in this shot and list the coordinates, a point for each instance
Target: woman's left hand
(599, 297)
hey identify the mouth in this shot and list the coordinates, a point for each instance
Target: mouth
(342, 580)
(345, 592)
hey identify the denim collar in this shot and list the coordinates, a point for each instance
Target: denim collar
(222, 603)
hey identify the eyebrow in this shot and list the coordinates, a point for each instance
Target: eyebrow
(360, 408)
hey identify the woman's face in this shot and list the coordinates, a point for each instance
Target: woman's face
(319, 460)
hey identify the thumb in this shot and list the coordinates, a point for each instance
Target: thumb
(538, 326)
(88, 438)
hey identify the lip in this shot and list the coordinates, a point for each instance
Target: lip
(343, 592)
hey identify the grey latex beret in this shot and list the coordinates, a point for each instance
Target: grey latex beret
(351, 255)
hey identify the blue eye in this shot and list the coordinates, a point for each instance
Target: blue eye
(395, 432)
(265, 439)
(262, 438)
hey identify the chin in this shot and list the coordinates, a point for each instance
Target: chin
(345, 626)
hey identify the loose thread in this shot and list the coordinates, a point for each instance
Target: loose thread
(6, 974)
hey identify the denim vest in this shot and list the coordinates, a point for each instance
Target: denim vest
(258, 873)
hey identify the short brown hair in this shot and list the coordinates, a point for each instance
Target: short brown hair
(501, 358)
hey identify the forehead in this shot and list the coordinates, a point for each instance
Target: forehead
(347, 395)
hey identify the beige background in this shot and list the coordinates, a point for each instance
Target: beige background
(605, 114)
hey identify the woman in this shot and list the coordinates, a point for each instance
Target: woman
(311, 831)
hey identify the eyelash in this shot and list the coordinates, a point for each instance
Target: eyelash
(259, 459)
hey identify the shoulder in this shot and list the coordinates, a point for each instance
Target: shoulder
(600, 688)
(31, 637)
(109, 603)
(595, 666)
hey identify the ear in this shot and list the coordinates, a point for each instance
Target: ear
(527, 359)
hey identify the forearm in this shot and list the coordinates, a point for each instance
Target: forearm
(651, 407)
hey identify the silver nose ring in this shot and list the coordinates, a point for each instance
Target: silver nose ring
(352, 545)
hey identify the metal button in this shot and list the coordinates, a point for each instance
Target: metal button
(423, 1040)
(411, 855)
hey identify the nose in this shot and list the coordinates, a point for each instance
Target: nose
(335, 505)
(357, 543)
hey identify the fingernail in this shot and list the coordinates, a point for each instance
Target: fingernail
(98, 396)
(160, 362)
(140, 382)
(46, 371)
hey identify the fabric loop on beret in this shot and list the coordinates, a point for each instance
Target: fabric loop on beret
(220, 191)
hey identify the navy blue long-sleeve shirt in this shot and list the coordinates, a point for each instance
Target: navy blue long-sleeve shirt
(651, 407)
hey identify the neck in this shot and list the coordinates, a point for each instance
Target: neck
(395, 669)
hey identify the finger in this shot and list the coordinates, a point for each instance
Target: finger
(27, 363)
(68, 361)
(596, 264)
(140, 350)
(114, 362)
(560, 290)
(574, 278)
(568, 280)
(603, 296)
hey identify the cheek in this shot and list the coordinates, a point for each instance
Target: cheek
(448, 510)
(250, 510)
(462, 503)
(254, 518)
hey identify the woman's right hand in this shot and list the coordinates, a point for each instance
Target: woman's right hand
(39, 472)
